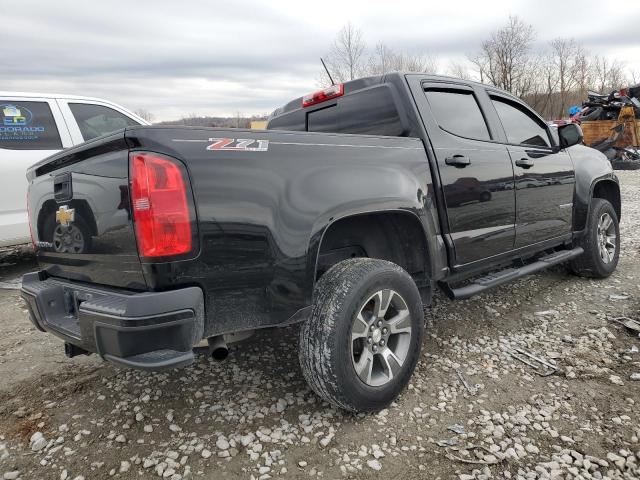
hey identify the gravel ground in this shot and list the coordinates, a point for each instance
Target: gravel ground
(472, 411)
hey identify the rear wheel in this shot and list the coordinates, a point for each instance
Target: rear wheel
(362, 342)
(601, 242)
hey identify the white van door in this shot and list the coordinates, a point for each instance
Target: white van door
(31, 129)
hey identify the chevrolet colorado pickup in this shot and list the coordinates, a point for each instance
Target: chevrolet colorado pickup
(344, 216)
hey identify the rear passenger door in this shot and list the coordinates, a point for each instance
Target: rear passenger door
(88, 120)
(544, 175)
(476, 174)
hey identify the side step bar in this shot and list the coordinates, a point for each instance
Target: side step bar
(482, 284)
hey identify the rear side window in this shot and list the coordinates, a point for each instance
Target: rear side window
(97, 120)
(521, 127)
(458, 112)
(28, 126)
(370, 112)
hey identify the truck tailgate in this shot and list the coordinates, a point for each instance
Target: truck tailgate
(80, 215)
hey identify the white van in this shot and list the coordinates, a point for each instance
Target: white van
(34, 126)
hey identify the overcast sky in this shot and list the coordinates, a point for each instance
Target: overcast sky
(174, 58)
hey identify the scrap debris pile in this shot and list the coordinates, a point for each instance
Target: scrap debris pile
(611, 124)
(608, 107)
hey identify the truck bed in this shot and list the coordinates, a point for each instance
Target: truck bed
(262, 200)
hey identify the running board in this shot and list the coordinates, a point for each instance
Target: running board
(495, 279)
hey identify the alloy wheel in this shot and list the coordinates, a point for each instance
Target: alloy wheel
(606, 238)
(380, 338)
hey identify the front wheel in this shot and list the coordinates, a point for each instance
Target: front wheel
(601, 242)
(362, 341)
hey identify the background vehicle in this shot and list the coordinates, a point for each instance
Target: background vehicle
(34, 126)
(345, 222)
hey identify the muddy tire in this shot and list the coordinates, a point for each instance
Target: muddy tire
(362, 341)
(601, 242)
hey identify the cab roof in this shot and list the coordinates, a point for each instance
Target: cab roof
(364, 82)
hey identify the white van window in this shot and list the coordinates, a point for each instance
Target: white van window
(97, 120)
(28, 126)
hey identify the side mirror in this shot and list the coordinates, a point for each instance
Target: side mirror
(570, 135)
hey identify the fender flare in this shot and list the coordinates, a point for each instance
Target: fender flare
(581, 218)
(321, 227)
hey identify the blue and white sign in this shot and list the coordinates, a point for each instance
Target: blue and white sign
(14, 116)
(16, 123)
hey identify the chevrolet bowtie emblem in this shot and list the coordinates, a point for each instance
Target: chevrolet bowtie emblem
(65, 215)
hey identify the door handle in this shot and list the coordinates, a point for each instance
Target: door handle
(525, 162)
(458, 161)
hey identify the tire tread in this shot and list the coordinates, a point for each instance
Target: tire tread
(317, 334)
(588, 264)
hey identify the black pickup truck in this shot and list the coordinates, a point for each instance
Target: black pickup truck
(344, 216)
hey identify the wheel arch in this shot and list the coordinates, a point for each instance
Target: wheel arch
(395, 235)
(610, 191)
(604, 186)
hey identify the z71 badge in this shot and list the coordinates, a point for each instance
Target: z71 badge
(239, 144)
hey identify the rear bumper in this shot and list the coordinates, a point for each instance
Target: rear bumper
(149, 330)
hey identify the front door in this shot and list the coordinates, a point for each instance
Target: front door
(544, 175)
(475, 173)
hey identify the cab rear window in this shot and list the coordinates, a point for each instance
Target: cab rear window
(370, 112)
(28, 126)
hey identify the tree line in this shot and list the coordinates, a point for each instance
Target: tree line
(195, 120)
(550, 78)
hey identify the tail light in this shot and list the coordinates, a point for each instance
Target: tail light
(320, 96)
(161, 212)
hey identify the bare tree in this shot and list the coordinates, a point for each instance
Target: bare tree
(582, 72)
(381, 61)
(348, 59)
(505, 60)
(480, 63)
(607, 74)
(145, 114)
(416, 63)
(346, 56)
(385, 60)
(459, 70)
(545, 84)
(565, 53)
